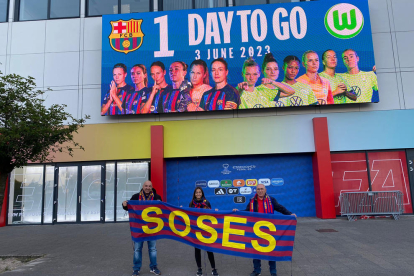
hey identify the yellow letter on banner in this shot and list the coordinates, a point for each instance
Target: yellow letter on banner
(146, 218)
(265, 236)
(206, 228)
(186, 220)
(227, 231)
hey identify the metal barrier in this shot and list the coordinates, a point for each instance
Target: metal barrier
(371, 203)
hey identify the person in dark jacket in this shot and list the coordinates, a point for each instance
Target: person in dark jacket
(146, 193)
(200, 201)
(263, 203)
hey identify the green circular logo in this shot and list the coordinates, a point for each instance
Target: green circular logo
(344, 21)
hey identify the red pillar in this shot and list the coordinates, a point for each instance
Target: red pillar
(322, 171)
(158, 168)
(3, 211)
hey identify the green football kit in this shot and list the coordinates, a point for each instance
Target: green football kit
(303, 96)
(364, 84)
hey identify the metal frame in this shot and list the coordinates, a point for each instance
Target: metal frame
(17, 12)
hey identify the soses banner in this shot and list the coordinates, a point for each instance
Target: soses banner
(244, 234)
(262, 56)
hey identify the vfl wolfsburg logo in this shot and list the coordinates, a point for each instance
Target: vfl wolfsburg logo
(344, 21)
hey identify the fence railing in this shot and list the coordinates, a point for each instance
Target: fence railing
(371, 203)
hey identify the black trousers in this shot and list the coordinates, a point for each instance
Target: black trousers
(210, 258)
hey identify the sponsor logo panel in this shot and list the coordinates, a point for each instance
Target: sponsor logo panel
(220, 191)
(232, 191)
(251, 182)
(201, 183)
(238, 182)
(213, 183)
(239, 199)
(245, 190)
(278, 181)
(226, 183)
(264, 181)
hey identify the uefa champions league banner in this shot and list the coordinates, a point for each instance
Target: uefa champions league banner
(261, 56)
(245, 234)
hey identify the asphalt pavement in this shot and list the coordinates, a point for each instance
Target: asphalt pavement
(363, 247)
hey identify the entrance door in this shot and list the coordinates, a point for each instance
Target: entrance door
(79, 193)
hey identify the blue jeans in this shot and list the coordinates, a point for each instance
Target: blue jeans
(152, 250)
(257, 266)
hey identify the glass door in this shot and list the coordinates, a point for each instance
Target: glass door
(66, 192)
(79, 193)
(92, 188)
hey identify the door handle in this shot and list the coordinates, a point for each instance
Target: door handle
(79, 199)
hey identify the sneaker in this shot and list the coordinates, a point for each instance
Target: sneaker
(199, 272)
(214, 272)
(135, 273)
(254, 273)
(155, 270)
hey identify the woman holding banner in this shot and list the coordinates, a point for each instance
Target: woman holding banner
(199, 201)
(200, 83)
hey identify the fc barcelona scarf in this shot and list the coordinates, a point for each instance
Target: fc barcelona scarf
(267, 204)
(200, 204)
(142, 196)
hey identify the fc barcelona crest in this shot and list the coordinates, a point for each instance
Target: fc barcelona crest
(126, 36)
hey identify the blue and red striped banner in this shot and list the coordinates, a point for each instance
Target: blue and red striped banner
(245, 234)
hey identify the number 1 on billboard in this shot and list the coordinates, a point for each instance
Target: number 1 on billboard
(164, 52)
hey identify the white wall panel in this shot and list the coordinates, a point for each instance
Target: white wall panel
(403, 14)
(93, 33)
(28, 65)
(388, 93)
(3, 38)
(3, 64)
(62, 69)
(62, 35)
(383, 50)
(408, 88)
(378, 12)
(28, 37)
(92, 67)
(68, 97)
(405, 43)
(91, 99)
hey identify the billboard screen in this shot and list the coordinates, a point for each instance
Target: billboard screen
(261, 56)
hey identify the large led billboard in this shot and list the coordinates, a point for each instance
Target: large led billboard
(261, 56)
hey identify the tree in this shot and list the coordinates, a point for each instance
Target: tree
(29, 131)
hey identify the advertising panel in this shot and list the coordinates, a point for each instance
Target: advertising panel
(232, 181)
(260, 56)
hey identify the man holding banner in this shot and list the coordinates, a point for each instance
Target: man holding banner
(146, 193)
(263, 203)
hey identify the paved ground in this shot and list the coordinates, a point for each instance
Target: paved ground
(364, 247)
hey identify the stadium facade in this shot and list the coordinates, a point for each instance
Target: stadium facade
(306, 156)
